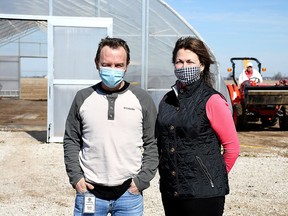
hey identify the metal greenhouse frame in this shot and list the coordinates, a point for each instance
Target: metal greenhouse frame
(74, 29)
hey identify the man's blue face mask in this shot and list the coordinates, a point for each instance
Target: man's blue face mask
(111, 77)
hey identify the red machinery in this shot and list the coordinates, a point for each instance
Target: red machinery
(258, 102)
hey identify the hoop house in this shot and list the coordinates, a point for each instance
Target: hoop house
(73, 29)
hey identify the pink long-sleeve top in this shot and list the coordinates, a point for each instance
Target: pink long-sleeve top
(219, 115)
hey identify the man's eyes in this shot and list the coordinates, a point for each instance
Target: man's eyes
(116, 66)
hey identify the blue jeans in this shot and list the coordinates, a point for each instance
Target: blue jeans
(127, 205)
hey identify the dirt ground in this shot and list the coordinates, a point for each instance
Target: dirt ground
(26, 115)
(34, 181)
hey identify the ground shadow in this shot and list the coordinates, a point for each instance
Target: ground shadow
(41, 136)
(259, 127)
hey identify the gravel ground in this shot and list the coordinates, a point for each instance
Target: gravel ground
(34, 181)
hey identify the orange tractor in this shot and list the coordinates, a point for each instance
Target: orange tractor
(255, 102)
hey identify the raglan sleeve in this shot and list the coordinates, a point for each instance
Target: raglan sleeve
(150, 150)
(72, 143)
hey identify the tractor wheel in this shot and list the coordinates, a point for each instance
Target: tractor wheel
(283, 120)
(238, 117)
(269, 122)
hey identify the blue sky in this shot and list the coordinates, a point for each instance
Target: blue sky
(241, 28)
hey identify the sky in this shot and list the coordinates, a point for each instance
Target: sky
(241, 28)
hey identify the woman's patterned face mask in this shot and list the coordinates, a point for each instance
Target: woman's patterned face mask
(187, 75)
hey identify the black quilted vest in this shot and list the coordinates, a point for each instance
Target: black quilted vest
(191, 164)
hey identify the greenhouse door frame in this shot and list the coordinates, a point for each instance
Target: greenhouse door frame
(55, 83)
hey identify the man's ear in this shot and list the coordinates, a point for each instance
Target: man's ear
(97, 66)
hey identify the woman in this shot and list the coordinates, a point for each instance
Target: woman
(194, 121)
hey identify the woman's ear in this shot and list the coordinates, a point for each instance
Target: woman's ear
(202, 67)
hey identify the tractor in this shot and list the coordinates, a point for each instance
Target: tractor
(258, 103)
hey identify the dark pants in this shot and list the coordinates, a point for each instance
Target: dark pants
(194, 207)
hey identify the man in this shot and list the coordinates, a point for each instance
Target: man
(110, 150)
(250, 74)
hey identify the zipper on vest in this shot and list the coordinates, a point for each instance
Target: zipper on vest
(205, 171)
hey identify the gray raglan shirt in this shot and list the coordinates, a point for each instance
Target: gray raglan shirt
(109, 137)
